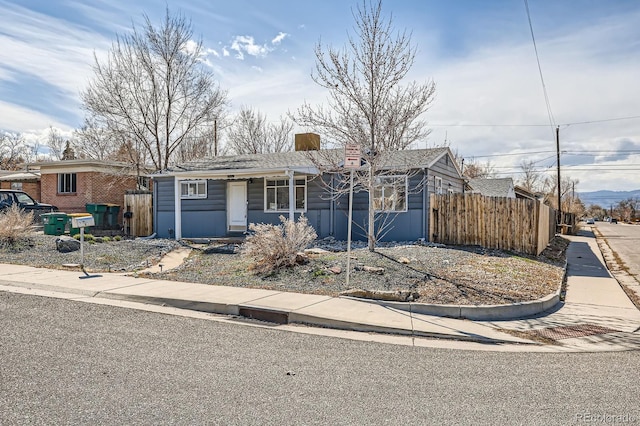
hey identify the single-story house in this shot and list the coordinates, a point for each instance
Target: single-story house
(72, 184)
(524, 193)
(221, 196)
(502, 187)
(27, 181)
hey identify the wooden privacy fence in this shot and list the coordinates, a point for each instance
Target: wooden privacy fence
(138, 213)
(520, 225)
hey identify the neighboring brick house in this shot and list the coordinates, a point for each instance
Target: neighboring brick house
(71, 184)
(27, 181)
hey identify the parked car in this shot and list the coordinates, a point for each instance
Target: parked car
(9, 197)
(591, 221)
(614, 220)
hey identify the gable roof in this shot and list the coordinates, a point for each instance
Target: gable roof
(502, 187)
(297, 161)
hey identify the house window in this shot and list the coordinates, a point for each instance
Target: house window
(438, 185)
(390, 194)
(16, 185)
(193, 189)
(144, 183)
(66, 183)
(276, 195)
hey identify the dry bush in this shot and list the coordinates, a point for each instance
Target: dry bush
(15, 225)
(272, 247)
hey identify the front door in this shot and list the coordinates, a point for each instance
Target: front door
(236, 206)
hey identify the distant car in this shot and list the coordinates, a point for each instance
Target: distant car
(9, 197)
(614, 220)
(591, 221)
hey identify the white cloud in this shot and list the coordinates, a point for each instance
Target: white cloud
(191, 46)
(278, 39)
(588, 76)
(246, 44)
(44, 49)
(22, 120)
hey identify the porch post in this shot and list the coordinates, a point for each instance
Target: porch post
(292, 197)
(178, 209)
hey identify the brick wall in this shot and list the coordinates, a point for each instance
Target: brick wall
(91, 187)
(31, 188)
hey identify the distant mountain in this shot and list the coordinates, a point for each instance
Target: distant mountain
(606, 199)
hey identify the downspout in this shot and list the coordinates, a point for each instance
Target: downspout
(332, 209)
(425, 189)
(292, 194)
(178, 209)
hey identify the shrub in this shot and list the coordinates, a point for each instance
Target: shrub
(272, 247)
(87, 237)
(15, 225)
(106, 239)
(117, 238)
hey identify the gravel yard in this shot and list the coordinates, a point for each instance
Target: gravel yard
(439, 274)
(115, 256)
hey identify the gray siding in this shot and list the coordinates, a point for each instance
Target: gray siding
(207, 217)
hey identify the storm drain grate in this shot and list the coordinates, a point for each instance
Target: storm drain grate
(571, 331)
(277, 317)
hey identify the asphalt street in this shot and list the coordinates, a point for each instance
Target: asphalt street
(66, 362)
(624, 239)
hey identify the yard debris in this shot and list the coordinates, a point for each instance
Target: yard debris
(372, 269)
(315, 250)
(390, 296)
(404, 260)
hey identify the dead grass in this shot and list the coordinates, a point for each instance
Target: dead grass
(16, 226)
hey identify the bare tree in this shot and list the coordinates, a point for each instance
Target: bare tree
(95, 141)
(13, 150)
(56, 143)
(567, 189)
(251, 133)
(154, 90)
(368, 105)
(474, 169)
(596, 211)
(628, 209)
(531, 179)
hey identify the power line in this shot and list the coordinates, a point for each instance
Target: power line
(575, 123)
(572, 153)
(633, 117)
(552, 120)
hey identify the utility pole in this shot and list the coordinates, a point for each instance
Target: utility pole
(215, 137)
(559, 189)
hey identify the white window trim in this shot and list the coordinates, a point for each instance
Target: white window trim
(196, 195)
(406, 194)
(286, 210)
(437, 185)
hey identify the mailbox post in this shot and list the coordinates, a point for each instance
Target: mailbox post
(82, 222)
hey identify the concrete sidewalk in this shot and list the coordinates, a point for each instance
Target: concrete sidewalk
(596, 315)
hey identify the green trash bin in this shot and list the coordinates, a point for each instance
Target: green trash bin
(98, 212)
(54, 223)
(112, 216)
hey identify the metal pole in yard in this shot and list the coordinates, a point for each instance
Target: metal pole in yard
(349, 226)
(559, 182)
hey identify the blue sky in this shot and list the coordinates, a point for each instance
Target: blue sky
(479, 53)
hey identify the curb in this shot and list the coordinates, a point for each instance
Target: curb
(478, 312)
(283, 316)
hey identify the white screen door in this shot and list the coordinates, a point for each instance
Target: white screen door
(237, 206)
